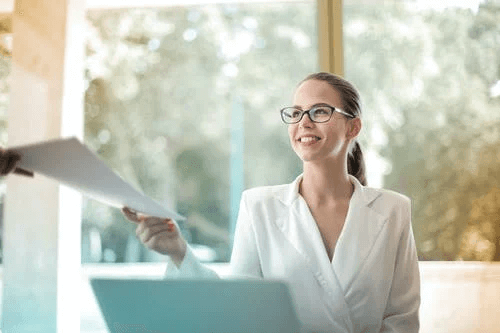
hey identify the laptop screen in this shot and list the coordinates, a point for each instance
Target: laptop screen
(138, 305)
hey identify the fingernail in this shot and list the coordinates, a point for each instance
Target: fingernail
(170, 226)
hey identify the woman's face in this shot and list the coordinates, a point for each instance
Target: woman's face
(320, 141)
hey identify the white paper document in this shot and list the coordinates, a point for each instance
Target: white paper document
(71, 163)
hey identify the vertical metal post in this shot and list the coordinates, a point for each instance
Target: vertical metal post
(330, 36)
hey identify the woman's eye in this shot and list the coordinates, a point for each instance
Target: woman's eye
(296, 114)
(321, 111)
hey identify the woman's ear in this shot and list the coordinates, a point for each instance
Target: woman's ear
(353, 128)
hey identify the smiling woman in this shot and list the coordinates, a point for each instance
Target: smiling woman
(326, 235)
(345, 97)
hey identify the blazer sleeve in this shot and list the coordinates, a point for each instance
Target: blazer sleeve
(244, 263)
(190, 268)
(245, 258)
(401, 313)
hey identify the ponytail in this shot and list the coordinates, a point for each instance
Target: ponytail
(356, 164)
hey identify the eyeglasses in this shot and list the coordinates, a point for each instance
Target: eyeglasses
(317, 114)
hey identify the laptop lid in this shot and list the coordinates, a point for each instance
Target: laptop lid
(146, 306)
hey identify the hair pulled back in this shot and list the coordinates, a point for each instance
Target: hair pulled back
(351, 104)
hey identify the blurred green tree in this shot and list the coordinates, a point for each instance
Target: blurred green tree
(161, 91)
(425, 77)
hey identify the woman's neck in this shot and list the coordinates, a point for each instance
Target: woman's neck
(326, 182)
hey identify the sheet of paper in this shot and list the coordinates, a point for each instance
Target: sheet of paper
(71, 163)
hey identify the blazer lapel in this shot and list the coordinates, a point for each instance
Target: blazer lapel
(361, 229)
(301, 230)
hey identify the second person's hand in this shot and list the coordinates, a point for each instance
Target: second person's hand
(8, 163)
(159, 234)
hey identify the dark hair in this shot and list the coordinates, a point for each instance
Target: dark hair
(351, 104)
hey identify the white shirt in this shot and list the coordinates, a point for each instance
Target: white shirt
(372, 283)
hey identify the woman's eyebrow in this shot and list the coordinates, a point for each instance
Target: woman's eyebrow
(321, 104)
(313, 106)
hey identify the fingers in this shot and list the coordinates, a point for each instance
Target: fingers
(136, 217)
(24, 172)
(8, 161)
(162, 236)
(12, 161)
(154, 224)
(156, 233)
(131, 215)
(149, 226)
(146, 233)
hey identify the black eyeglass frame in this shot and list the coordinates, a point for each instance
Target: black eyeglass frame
(332, 109)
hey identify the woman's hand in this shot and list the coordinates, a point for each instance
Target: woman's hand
(158, 234)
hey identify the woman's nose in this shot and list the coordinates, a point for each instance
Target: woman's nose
(306, 120)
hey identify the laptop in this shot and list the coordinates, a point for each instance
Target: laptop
(165, 306)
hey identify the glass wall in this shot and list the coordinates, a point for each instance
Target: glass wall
(429, 73)
(183, 103)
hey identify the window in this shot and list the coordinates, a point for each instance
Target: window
(429, 75)
(183, 102)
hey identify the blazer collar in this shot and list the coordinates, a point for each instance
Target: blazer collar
(365, 195)
(361, 227)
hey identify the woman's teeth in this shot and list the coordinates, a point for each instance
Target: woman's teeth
(309, 139)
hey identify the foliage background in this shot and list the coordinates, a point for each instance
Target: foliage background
(165, 88)
(431, 83)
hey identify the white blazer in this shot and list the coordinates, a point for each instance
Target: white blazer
(371, 285)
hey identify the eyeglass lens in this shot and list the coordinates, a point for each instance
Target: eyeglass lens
(317, 114)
